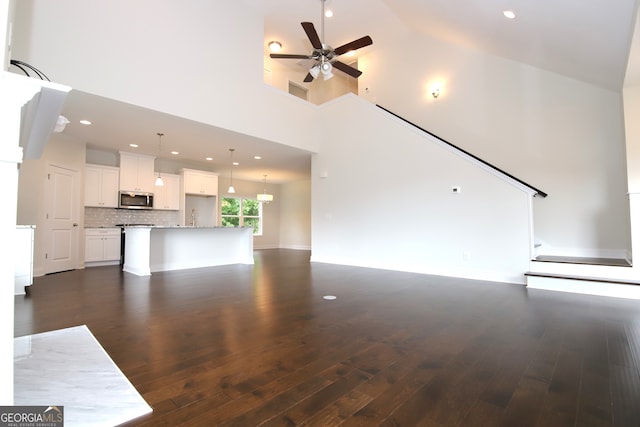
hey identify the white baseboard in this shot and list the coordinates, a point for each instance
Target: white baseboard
(297, 247)
(479, 275)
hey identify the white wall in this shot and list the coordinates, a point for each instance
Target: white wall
(295, 215)
(560, 135)
(408, 218)
(200, 59)
(319, 90)
(632, 109)
(7, 11)
(631, 93)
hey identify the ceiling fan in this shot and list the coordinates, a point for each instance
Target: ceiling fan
(325, 56)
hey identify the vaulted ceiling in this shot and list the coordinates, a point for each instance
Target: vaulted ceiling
(585, 40)
(588, 40)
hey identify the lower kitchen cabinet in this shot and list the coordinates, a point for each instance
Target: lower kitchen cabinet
(102, 246)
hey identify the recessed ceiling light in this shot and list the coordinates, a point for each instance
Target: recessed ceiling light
(85, 122)
(235, 163)
(209, 158)
(174, 153)
(328, 13)
(133, 145)
(257, 157)
(510, 14)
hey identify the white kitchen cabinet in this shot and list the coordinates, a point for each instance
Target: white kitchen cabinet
(101, 186)
(136, 172)
(200, 182)
(167, 197)
(102, 246)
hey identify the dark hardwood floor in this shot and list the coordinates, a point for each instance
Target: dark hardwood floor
(258, 345)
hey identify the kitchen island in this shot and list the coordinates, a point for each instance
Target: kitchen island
(152, 248)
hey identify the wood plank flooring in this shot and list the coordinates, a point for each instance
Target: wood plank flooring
(258, 345)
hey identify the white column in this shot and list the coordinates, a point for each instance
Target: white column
(27, 107)
(10, 157)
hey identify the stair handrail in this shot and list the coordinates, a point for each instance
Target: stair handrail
(537, 191)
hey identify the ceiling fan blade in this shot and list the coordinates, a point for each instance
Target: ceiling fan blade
(312, 34)
(288, 56)
(356, 44)
(308, 78)
(348, 69)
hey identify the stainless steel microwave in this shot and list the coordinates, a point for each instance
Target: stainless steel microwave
(133, 200)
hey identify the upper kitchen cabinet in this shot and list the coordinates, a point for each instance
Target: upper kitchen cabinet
(167, 197)
(200, 182)
(101, 186)
(136, 172)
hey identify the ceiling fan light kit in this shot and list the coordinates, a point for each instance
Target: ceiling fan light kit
(324, 55)
(275, 46)
(326, 68)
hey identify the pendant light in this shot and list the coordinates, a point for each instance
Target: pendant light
(231, 189)
(159, 182)
(264, 197)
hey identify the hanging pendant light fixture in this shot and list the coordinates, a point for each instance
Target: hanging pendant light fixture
(264, 197)
(159, 182)
(231, 189)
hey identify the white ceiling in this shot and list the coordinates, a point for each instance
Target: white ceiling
(121, 124)
(587, 40)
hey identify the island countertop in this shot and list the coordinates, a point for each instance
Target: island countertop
(161, 248)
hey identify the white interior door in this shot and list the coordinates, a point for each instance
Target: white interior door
(61, 219)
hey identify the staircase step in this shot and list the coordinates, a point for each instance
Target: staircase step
(583, 278)
(601, 286)
(617, 262)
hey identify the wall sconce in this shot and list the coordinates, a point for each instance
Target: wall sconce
(435, 92)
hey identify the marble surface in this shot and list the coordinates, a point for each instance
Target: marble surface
(69, 367)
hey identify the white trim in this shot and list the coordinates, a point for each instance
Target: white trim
(296, 247)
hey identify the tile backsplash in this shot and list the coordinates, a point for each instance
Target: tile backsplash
(107, 217)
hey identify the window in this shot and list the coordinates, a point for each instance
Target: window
(242, 213)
